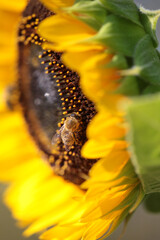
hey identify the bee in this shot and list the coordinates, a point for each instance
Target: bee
(69, 132)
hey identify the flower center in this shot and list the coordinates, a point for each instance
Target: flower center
(56, 110)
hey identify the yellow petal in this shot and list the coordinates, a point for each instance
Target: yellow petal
(33, 197)
(95, 149)
(96, 230)
(10, 15)
(97, 81)
(110, 166)
(16, 5)
(74, 31)
(54, 216)
(63, 232)
(108, 203)
(112, 127)
(12, 146)
(97, 188)
(79, 54)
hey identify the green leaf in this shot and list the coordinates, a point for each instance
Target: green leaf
(143, 116)
(128, 86)
(123, 8)
(152, 202)
(147, 60)
(119, 35)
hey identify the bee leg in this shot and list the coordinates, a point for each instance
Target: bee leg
(68, 147)
(77, 138)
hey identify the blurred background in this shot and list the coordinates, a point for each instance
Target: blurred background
(142, 226)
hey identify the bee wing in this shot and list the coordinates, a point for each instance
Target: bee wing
(56, 139)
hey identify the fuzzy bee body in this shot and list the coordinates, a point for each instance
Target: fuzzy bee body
(68, 133)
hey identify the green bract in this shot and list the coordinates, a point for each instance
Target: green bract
(129, 86)
(112, 35)
(147, 59)
(149, 20)
(91, 12)
(146, 62)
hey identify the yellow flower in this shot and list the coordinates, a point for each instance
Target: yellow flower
(87, 206)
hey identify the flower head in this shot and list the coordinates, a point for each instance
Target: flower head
(72, 75)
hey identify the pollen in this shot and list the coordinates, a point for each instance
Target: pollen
(28, 29)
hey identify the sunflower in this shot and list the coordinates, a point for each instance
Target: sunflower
(69, 166)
